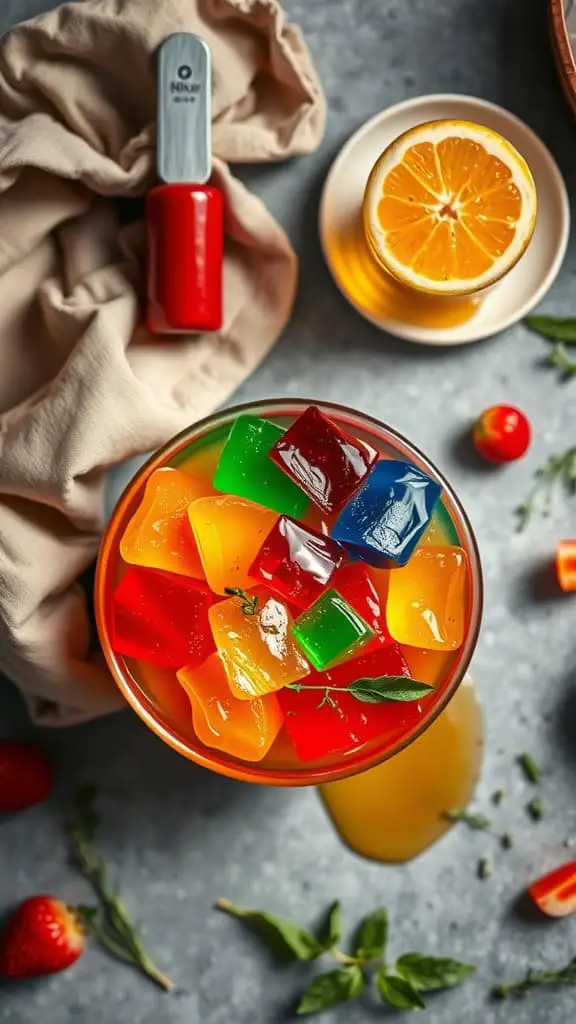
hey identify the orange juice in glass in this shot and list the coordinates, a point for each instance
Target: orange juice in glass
(448, 209)
(315, 633)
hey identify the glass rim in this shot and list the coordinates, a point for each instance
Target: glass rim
(214, 759)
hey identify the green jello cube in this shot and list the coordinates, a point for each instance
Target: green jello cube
(330, 629)
(246, 469)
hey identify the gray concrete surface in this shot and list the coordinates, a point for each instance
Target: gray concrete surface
(178, 837)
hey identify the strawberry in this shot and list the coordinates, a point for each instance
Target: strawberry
(42, 936)
(25, 776)
(501, 433)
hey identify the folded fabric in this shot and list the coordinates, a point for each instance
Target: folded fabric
(82, 384)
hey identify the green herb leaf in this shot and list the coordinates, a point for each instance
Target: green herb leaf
(556, 328)
(328, 989)
(371, 691)
(287, 939)
(332, 930)
(532, 771)
(372, 936)
(398, 992)
(477, 822)
(427, 973)
(535, 809)
(392, 688)
(498, 797)
(560, 360)
(506, 841)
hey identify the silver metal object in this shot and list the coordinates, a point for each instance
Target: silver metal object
(184, 123)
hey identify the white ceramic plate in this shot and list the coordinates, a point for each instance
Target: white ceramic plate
(527, 282)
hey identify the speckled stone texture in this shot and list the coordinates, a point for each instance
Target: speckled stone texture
(178, 837)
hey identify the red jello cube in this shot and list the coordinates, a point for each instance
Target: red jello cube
(162, 618)
(343, 725)
(355, 583)
(296, 561)
(326, 463)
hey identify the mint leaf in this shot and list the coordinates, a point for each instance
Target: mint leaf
(372, 936)
(557, 328)
(328, 989)
(392, 688)
(332, 930)
(287, 939)
(398, 992)
(426, 973)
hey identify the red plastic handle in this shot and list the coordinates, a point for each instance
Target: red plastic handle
(184, 252)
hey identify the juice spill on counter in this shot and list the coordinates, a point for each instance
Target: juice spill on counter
(377, 295)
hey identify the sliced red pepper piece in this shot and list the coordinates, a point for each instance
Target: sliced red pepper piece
(555, 894)
(566, 564)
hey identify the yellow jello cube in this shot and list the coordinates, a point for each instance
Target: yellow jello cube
(427, 599)
(229, 533)
(255, 643)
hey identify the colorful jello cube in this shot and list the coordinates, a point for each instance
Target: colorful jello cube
(159, 536)
(297, 561)
(254, 640)
(246, 469)
(356, 584)
(343, 724)
(162, 618)
(427, 599)
(388, 515)
(330, 629)
(242, 728)
(229, 532)
(325, 462)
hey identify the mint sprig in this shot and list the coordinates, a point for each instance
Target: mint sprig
(375, 690)
(559, 471)
(400, 984)
(536, 979)
(109, 923)
(249, 605)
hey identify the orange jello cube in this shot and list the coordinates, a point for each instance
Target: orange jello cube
(242, 728)
(229, 532)
(255, 642)
(159, 536)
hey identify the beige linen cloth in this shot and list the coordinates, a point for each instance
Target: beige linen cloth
(82, 385)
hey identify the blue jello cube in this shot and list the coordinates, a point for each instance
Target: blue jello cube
(386, 518)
